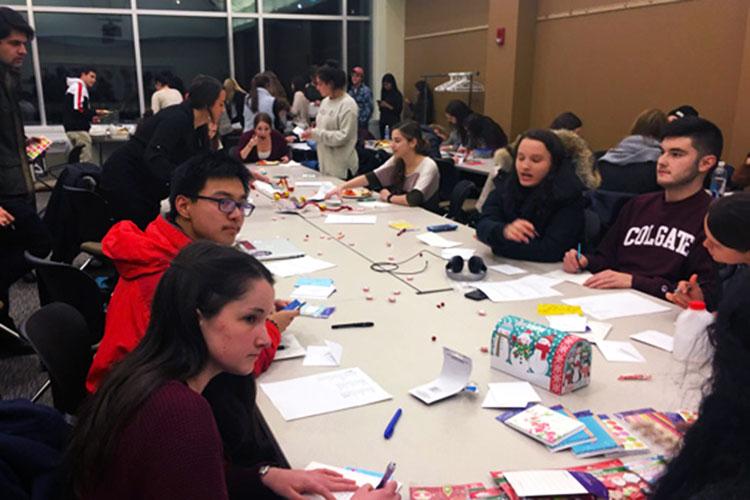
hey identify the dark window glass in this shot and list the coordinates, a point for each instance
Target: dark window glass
(112, 4)
(302, 6)
(293, 46)
(244, 6)
(213, 5)
(358, 47)
(16, 2)
(105, 42)
(246, 50)
(184, 47)
(359, 7)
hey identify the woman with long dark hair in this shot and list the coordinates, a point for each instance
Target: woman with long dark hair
(148, 432)
(714, 461)
(423, 108)
(456, 112)
(136, 177)
(262, 142)
(391, 103)
(536, 211)
(409, 177)
(258, 100)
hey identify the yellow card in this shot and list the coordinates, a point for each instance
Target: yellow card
(401, 224)
(553, 309)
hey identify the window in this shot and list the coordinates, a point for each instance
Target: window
(210, 5)
(105, 42)
(246, 52)
(111, 4)
(359, 7)
(293, 46)
(184, 47)
(358, 48)
(244, 6)
(332, 7)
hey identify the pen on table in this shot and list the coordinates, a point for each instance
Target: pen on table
(363, 324)
(392, 424)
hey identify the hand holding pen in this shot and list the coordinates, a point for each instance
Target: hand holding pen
(574, 261)
(686, 292)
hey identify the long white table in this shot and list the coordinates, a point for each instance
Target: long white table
(453, 441)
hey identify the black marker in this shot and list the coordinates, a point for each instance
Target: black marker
(365, 324)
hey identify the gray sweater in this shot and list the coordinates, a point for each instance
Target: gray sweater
(336, 135)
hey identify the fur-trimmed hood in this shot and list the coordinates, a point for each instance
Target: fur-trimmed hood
(578, 150)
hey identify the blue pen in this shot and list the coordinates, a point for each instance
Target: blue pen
(392, 424)
(578, 256)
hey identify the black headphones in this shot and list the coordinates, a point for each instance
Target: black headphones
(455, 266)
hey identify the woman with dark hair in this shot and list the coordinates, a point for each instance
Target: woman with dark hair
(391, 103)
(536, 211)
(262, 142)
(409, 177)
(148, 432)
(136, 177)
(423, 108)
(300, 110)
(567, 121)
(456, 113)
(714, 460)
(482, 132)
(165, 95)
(259, 100)
(336, 125)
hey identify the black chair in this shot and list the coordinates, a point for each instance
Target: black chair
(59, 335)
(91, 212)
(60, 282)
(602, 209)
(75, 154)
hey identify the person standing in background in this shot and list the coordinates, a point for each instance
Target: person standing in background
(165, 95)
(423, 109)
(300, 111)
(362, 95)
(20, 226)
(391, 104)
(77, 113)
(260, 99)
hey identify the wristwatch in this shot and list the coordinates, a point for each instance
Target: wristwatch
(263, 470)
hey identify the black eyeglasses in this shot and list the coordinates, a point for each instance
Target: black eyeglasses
(228, 205)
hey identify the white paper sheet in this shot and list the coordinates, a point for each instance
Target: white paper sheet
(571, 323)
(324, 355)
(351, 219)
(322, 191)
(616, 305)
(464, 253)
(358, 477)
(532, 483)
(507, 269)
(291, 347)
(654, 338)
(578, 278)
(526, 288)
(435, 240)
(312, 292)
(301, 146)
(510, 395)
(597, 331)
(454, 376)
(323, 393)
(617, 351)
(373, 204)
(303, 265)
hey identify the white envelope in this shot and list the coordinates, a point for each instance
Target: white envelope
(453, 378)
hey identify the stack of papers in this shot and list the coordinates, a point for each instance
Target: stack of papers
(542, 424)
(435, 240)
(324, 355)
(510, 395)
(507, 269)
(529, 287)
(616, 305)
(303, 265)
(323, 393)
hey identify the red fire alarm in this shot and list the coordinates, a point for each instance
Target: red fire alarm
(500, 37)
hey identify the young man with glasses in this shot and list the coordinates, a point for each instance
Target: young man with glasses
(208, 201)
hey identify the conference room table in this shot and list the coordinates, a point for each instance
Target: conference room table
(454, 441)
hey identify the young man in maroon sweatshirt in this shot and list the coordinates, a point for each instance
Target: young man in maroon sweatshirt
(658, 237)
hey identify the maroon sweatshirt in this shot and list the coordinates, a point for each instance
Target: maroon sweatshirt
(171, 448)
(659, 243)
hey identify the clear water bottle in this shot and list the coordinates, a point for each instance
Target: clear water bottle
(690, 337)
(387, 136)
(719, 180)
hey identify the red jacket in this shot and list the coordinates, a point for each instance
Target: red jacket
(141, 257)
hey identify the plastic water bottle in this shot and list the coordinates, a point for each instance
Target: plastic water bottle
(690, 338)
(719, 180)
(387, 133)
